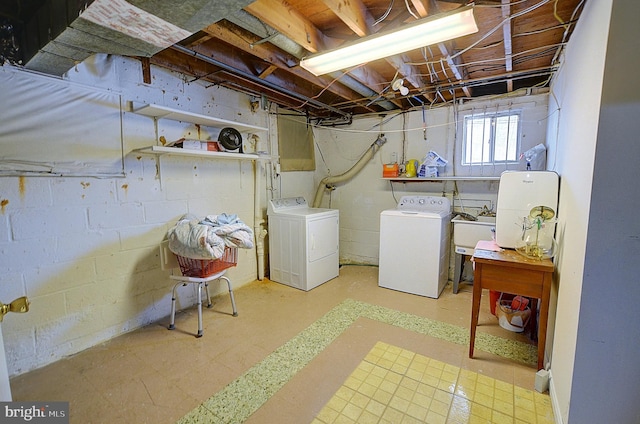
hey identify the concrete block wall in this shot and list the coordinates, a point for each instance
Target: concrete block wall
(85, 250)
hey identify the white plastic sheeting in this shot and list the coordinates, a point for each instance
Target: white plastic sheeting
(50, 126)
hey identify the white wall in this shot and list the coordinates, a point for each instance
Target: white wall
(574, 106)
(361, 199)
(594, 363)
(85, 250)
(596, 371)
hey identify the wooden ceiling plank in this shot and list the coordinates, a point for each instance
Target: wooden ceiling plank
(354, 14)
(288, 21)
(508, 49)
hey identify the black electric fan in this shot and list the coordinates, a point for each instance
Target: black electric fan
(230, 139)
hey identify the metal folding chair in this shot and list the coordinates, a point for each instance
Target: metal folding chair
(204, 271)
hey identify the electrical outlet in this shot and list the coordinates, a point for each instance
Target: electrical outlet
(394, 157)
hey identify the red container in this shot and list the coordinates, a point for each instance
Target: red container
(202, 268)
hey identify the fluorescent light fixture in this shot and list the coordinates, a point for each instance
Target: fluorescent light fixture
(423, 32)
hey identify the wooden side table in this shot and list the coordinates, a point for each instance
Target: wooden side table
(509, 272)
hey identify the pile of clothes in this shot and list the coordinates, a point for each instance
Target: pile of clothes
(206, 238)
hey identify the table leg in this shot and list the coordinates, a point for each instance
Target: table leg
(544, 317)
(533, 319)
(475, 308)
(457, 271)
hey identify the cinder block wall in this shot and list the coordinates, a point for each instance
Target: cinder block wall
(85, 250)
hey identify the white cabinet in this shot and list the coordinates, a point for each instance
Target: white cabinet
(162, 112)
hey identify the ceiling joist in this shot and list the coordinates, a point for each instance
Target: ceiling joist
(256, 47)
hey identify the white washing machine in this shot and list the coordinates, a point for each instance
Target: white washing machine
(414, 246)
(303, 243)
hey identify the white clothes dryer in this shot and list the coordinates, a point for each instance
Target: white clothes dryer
(303, 243)
(414, 246)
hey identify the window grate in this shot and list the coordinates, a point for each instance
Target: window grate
(491, 138)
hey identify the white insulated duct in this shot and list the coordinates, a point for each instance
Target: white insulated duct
(328, 182)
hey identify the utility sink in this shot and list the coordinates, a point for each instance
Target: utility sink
(466, 234)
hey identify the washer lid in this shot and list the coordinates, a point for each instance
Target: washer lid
(307, 212)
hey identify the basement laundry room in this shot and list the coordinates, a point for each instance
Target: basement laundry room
(204, 217)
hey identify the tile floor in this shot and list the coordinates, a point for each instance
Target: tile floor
(283, 358)
(394, 385)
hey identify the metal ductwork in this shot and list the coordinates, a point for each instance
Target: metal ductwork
(60, 34)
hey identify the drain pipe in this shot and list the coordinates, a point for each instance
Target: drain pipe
(328, 182)
(258, 221)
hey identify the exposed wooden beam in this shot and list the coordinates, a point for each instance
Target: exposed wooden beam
(354, 13)
(421, 6)
(445, 51)
(508, 50)
(189, 65)
(287, 20)
(287, 94)
(293, 25)
(241, 40)
(146, 70)
(453, 66)
(268, 71)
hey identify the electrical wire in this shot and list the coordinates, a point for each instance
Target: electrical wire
(500, 25)
(493, 59)
(384, 16)
(555, 14)
(455, 122)
(433, 74)
(566, 31)
(517, 56)
(406, 2)
(329, 85)
(500, 5)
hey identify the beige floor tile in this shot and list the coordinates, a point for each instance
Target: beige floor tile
(155, 375)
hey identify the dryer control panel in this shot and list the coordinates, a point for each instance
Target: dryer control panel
(287, 203)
